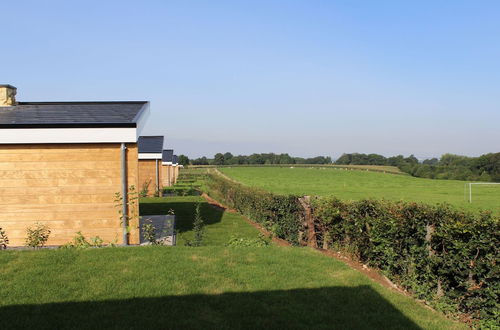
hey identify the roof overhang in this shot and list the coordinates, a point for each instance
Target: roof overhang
(166, 163)
(81, 133)
(149, 156)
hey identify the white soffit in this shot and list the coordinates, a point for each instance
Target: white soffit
(68, 135)
(149, 156)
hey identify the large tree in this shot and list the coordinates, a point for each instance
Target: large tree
(219, 159)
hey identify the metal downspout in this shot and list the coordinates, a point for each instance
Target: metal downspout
(157, 177)
(124, 193)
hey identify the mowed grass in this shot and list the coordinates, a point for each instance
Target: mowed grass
(355, 185)
(220, 226)
(209, 287)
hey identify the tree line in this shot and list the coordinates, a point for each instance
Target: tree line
(448, 166)
(255, 159)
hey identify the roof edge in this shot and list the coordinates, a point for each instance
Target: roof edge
(80, 102)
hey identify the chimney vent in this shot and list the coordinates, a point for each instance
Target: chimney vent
(7, 95)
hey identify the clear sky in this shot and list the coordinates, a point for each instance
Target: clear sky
(304, 77)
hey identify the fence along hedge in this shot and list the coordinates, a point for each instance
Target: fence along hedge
(446, 256)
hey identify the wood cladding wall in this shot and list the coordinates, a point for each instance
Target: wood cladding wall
(147, 175)
(169, 175)
(68, 187)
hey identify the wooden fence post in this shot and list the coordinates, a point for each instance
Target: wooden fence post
(429, 231)
(309, 221)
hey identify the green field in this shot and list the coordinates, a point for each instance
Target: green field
(355, 184)
(209, 287)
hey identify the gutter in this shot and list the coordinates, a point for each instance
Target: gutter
(124, 193)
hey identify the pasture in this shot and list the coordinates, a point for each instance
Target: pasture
(356, 184)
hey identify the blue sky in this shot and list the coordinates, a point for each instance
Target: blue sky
(304, 77)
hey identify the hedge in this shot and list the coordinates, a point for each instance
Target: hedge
(279, 214)
(446, 256)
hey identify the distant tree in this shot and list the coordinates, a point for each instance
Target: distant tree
(411, 160)
(432, 161)
(345, 159)
(256, 159)
(455, 160)
(285, 159)
(218, 159)
(396, 160)
(200, 161)
(227, 158)
(183, 160)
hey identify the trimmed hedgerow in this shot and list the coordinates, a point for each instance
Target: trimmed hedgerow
(279, 214)
(444, 255)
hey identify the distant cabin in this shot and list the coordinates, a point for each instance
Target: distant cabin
(169, 170)
(150, 163)
(62, 164)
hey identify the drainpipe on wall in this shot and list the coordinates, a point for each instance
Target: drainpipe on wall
(157, 177)
(124, 193)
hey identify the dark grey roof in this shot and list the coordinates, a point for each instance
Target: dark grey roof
(150, 144)
(71, 114)
(167, 155)
(175, 159)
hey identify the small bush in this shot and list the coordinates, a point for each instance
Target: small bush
(37, 235)
(145, 189)
(80, 242)
(198, 229)
(149, 232)
(4, 240)
(246, 242)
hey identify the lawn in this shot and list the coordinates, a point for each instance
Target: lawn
(355, 184)
(220, 225)
(208, 287)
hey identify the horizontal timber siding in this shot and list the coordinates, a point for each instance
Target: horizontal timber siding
(147, 174)
(68, 187)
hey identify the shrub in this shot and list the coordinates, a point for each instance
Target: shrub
(37, 235)
(80, 242)
(281, 215)
(145, 189)
(198, 229)
(441, 254)
(4, 240)
(149, 232)
(246, 242)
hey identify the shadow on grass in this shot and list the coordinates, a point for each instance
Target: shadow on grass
(324, 308)
(184, 211)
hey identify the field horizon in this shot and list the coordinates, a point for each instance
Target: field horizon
(358, 184)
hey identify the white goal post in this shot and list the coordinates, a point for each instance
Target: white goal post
(478, 183)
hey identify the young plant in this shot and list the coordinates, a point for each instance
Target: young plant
(4, 240)
(149, 232)
(145, 189)
(80, 242)
(132, 206)
(96, 241)
(37, 235)
(198, 228)
(246, 242)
